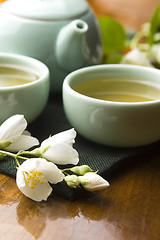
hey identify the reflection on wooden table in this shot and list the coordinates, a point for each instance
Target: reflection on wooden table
(128, 210)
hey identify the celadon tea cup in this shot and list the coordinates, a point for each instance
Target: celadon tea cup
(24, 86)
(115, 105)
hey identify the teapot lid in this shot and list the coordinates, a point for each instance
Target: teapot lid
(46, 9)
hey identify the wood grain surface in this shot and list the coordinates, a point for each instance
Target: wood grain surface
(128, 210)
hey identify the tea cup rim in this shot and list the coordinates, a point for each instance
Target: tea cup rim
(68, 79)
(25, 59)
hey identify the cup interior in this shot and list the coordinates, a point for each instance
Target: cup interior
(117, 83)
(17, 70)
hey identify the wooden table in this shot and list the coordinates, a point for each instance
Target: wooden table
(128, 210)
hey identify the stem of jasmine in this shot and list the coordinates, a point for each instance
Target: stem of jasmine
(65, 171)
(5, 153)
(25, 153)
(18, 164)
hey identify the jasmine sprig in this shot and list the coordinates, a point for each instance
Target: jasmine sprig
(38, 168)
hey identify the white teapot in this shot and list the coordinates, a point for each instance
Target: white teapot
(63, 34)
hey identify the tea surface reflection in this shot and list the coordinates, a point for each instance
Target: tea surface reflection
(11, 75)
(119, 90)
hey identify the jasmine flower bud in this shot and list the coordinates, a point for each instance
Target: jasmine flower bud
(81, 170)
(155, 52)
(4, 144)
(93, 182)
(72, 181)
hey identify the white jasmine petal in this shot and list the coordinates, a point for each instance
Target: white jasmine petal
(136, 57)
(23, 142)
(33, 176)
(51, 171)
(39, 193)
(62, 137)
(13, 127)
(62, 153)
(13, 131)
(59, 148)
(93, 182)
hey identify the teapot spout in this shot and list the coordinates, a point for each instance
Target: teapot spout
(71, 46)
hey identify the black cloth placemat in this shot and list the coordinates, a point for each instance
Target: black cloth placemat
(102, 158)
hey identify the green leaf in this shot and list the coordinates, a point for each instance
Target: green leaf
(154, 24)
(113, 35)
(114, 58)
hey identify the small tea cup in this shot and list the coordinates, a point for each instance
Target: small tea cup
(28, 99)
(113, 122)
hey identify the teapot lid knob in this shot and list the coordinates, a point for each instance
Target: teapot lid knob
(46, 9)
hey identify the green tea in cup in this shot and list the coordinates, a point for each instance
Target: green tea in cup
(119, 90)
(12, 75)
